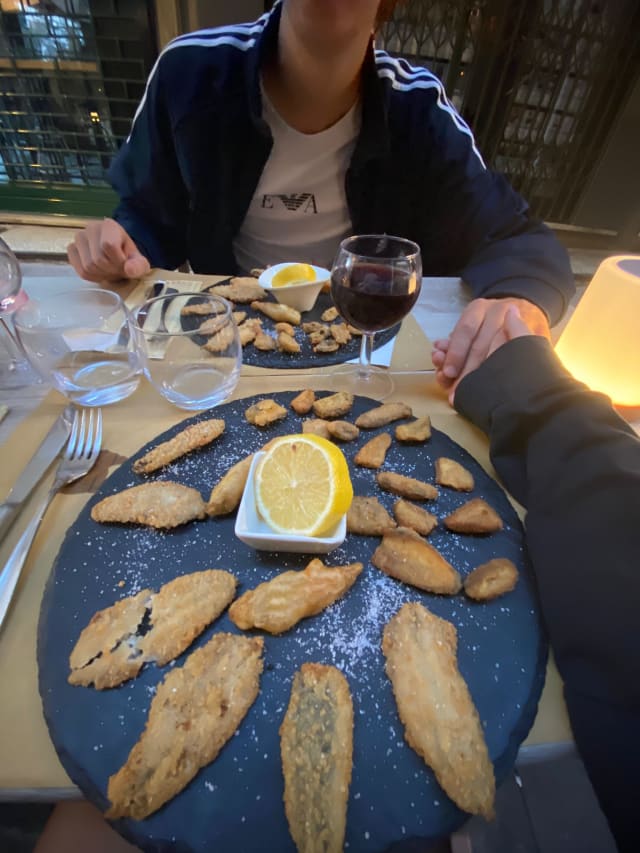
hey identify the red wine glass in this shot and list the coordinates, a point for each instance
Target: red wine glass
(375, 282)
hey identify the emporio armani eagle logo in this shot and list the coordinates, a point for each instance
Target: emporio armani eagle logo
(305, 202)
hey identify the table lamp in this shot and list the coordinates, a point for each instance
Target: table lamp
(600, 345)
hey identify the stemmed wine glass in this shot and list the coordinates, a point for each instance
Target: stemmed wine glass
(17, 371)
(375, 282)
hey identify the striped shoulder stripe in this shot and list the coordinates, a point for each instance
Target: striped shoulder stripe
(405, 77)
(242, 37)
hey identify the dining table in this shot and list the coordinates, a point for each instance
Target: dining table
(30, 769)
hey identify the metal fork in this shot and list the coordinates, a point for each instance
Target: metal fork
(79, 457)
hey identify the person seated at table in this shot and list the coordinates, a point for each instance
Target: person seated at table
(567, 456)
(272, 141)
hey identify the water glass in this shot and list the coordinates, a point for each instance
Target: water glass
(82, 341)
(189, 348)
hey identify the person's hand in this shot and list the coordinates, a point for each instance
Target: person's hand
(103, 251)
(480, 327)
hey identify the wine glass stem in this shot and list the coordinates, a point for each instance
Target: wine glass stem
(366, 350)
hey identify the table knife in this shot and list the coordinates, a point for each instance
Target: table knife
(36, 468)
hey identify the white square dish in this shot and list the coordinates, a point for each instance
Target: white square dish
(256, 533)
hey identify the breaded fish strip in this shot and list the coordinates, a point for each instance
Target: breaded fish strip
(441, 722)
(279, 604)
(316, 426)
(285, 327)
(302, 404)
(265, 412)
(263, 341)
(212, 325)
(278, 312)
(326, 345)
(383, 415)
(316, 745)
(329, 315)
(404, 555)
(406, 487)
(195, 710)
(343, 431)
(287, 343)
(491, 579)
(223, 339)
(199, 309)
(110, 650)
(415, 432)
(475, 516)
(194, 436)
(226, 495)
(418, 519)
(333, 406)
(454, 475)
(161, 505)
(372, 454)
(367, 517)
(242, 289)
(340, 333)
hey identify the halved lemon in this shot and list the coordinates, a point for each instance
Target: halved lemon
(293, 274)
(302, 485)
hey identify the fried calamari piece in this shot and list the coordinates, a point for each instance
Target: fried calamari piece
(316, 338)
(247, 334)
(314, 326)
(404, 555)
(340, 333)
(112, 649)
(212, 325)
(199, 309)
(239, 317)
(383, 415)
(264, 342)
(225, 495)
(287, 343)
(343, 431)
(367, 517)
(333, 406)
(302, 404)
(194, 436)
(418, 519)
(265, 412)
(222, 340)
(415, 432)
(329, 315)
(279, 604)
(491, 579)
(328, 345)
(372, 454)
(316, 745)
(161, 505)
(195, 710)
(242, 289)
(406, 487)
(441, 722)
(454, 475)
(475, 516)
(316, 426)
(278, 312)
(285, 327)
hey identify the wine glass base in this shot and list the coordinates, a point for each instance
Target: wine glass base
(17, 374)
(373, 382)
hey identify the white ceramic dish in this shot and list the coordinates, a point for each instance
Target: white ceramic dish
(256, 533)
(303, 296)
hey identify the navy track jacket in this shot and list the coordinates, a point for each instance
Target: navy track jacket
(187, 173)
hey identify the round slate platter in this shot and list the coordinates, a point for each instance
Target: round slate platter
(235, 803)
(306, 357)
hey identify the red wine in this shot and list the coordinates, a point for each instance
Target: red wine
(373, 297)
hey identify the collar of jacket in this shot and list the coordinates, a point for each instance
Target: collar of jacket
(373, 142)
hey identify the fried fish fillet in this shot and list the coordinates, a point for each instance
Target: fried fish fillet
(326, 345)
(383, 415)
(302, 404)
(111, 649)
(199, 309)
(316, 745)
(265, 412)
(279, 604)
(333, 406)
(406, 556)
(415, 432)
(195, 710)
(285, 327)
(440, 720)
(372, 454)
(287, 343)
(161, 505)
(263, 341)
(278, 312)
(239, 317)
(491, 579)
(475, 516)
(454, 475)
(194, 436)
(212, 325)
(316, 426)
(340, 333)
(418, 519)
(222, 339)
(226, 495)
(367, 517)
(343, 430)
(406, 487)
(329, 315)
(242, 289)
(247, 334)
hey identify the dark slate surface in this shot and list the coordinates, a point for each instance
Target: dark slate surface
(236, 802)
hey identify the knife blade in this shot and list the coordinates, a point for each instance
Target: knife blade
(36, 468)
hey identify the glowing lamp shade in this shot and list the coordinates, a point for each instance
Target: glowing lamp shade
(600, 345)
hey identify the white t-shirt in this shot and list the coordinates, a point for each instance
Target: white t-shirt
(299, 209)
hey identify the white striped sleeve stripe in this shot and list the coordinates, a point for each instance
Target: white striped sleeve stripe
(424, 79)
